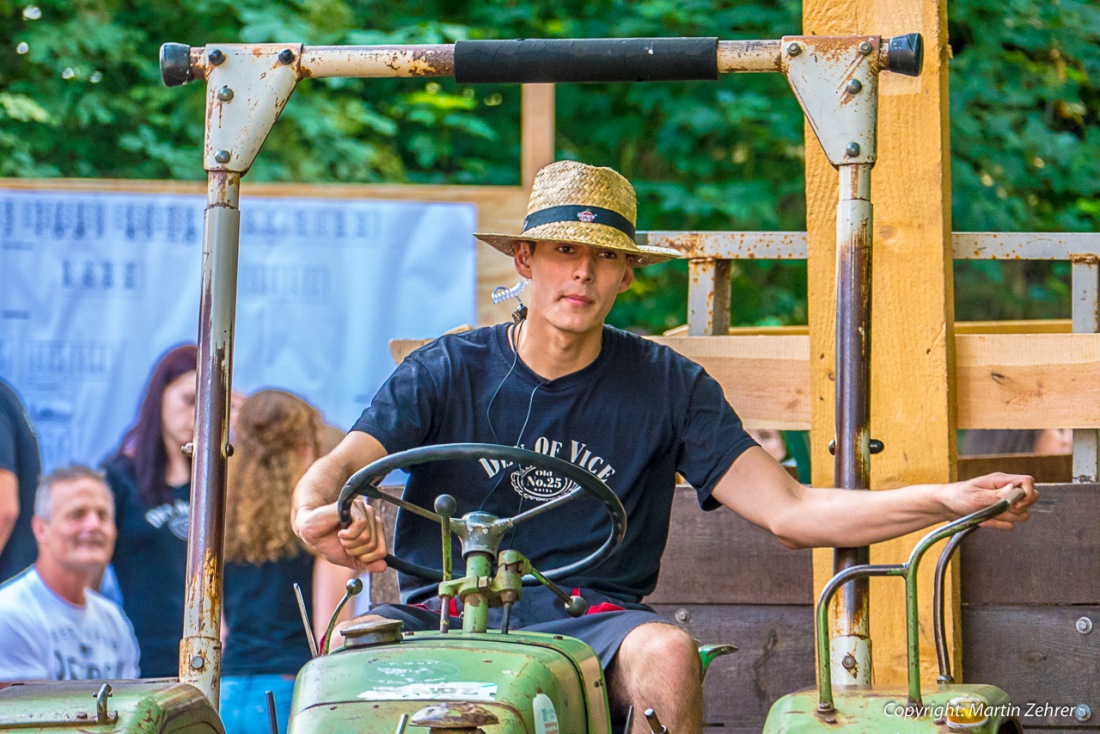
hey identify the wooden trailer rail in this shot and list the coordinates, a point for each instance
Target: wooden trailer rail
(1004, 380)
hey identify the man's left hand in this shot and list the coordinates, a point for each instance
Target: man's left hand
(963, 498)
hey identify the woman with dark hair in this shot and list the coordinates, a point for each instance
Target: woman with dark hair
(277, 438)
(151, 480)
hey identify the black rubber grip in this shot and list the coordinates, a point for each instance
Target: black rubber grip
(586, 60)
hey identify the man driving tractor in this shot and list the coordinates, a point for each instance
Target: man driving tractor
(631, 412)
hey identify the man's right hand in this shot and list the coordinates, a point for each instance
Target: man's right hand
(361, 545)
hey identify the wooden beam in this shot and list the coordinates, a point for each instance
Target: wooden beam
(1028, 381)
(765, 378)
(537, 132)
(912, 331)
(1004, 380)
(1045, 326)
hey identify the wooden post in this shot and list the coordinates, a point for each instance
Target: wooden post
(538, 130)
(912, 365)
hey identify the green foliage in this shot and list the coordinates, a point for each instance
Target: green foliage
(80, 96)
(1025, 142)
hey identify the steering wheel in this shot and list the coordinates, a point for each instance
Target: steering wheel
(365, 482)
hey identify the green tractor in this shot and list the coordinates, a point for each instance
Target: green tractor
(503, 680)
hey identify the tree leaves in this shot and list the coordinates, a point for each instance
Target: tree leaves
(80, 95)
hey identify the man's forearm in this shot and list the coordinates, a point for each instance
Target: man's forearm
(848, 518)
(321, 484)
(759, 490)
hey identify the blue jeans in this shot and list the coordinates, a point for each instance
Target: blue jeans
(244, 702)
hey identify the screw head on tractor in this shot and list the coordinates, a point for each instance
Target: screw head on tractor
(197, 662)
(855, 86)
(1084, 625)
(851, 150)
(794, 49)
(222, 156)
(1083, 712)
(865, 48)
(216, 57)
(225, 94)
(286, 56)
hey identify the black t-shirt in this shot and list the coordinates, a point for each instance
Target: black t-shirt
(634, 417)
(151, 565)
(19, 455)
(261, 611)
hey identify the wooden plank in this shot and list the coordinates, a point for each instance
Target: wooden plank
(1028, 381)
(1038, 657)
(1022, 326)
(766, 379)
(1004, 380)
(1053, 558)
(1043, 326)
(755, 567)
(912, 335)
(775, 656)
(1049, 468)
(537, 132)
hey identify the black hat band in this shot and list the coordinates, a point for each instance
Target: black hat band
(577, 213)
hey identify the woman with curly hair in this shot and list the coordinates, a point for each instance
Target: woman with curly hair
(276, 439)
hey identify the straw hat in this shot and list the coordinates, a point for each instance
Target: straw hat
(582, 205)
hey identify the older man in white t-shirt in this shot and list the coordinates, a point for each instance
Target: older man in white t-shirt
(53, 625)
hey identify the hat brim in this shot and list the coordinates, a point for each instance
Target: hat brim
(644, 255)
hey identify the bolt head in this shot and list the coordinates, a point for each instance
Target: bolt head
(848, 662)
(1084, 625)
(222, 156)
(683, 615)
(794, 49)
(851, 150)
(216, 57)
(1082, 712)
(197, 662)
(225, 94)
(286, 56)
(855, 86)
(865, 48)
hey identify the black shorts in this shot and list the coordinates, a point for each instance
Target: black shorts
(604, 628)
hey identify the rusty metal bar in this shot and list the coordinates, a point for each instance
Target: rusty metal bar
(1024, 245)
(748, 56)
(378, 61)
(852, 465)
(432, 60)
(1075, 246)
(709, 297)
(200, 649)
(731, 245)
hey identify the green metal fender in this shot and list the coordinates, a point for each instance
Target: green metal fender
(886, 711)
(162, 706)
(530, 682)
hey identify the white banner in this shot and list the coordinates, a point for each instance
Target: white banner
(94, 287)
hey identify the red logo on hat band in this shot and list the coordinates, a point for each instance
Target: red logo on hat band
(586, 216)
